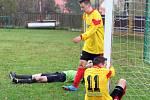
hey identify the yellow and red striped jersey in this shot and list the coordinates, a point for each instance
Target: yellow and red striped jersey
(94, 36)
(103, 75)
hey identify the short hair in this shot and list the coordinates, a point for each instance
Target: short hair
(98, 60)
(85, 1)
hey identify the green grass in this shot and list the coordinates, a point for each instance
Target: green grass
(36, 51)
(29, 51)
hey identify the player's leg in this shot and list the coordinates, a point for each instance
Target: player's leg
(14, 75)
(41, 79)
(24, 78)
(85, 56)
(78, 77)
(119, 90)
(51, 77)
(35, 78)
(36, 75)
(56, 77)
(22, 81)
(80, 73)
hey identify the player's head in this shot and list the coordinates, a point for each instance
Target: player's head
(85, 5)
(100, 60)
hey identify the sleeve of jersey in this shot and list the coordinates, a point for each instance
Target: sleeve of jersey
(111, 72)
(93, 28)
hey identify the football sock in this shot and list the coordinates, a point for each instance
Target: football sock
(23, 76)
(26, 81)
(78, 77)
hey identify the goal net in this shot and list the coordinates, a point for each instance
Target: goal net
(130, 47)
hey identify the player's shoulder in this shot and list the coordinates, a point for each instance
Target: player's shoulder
(96, 14)
(91, 70)
(112, 68)
(95, 70)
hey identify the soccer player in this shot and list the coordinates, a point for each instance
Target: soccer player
(96, 82)
(93, 40)
(64, 76)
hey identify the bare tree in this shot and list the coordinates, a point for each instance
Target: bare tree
(8, 6)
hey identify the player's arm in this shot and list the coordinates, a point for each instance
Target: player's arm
(88, 33)
(96, 22)
(111, 72)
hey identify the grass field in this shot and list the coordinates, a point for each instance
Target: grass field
(34, 51)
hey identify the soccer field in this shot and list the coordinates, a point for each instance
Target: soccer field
(35, 51)
(30, 51)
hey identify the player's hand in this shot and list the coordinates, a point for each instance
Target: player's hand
(76, 39)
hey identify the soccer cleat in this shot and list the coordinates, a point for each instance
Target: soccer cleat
(12, 75)
(15, 80)
(70, 88)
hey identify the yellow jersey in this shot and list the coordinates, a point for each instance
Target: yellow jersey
(94, 36)
(103, 75)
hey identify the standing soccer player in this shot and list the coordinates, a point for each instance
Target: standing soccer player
(93, 40)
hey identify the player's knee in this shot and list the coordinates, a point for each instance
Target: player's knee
(82, 63)
(37, 78)
(122, 82)
(43, 79)
(36, 75)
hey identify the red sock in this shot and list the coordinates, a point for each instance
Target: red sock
(78, 77)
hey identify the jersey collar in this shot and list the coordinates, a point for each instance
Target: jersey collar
(97, 66)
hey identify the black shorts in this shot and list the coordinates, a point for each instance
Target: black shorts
(88, 56)
(55, 77)
(118, 91)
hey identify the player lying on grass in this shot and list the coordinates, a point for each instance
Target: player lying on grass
(64, 76)
(96, 82)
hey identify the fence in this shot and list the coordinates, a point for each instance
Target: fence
(66, 21)
(19, 20)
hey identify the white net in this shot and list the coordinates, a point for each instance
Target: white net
(128, 48)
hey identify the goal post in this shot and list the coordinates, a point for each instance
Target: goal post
(108, 30)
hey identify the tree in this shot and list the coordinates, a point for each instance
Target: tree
(73, 6)
(8, 6)
(50, 6)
